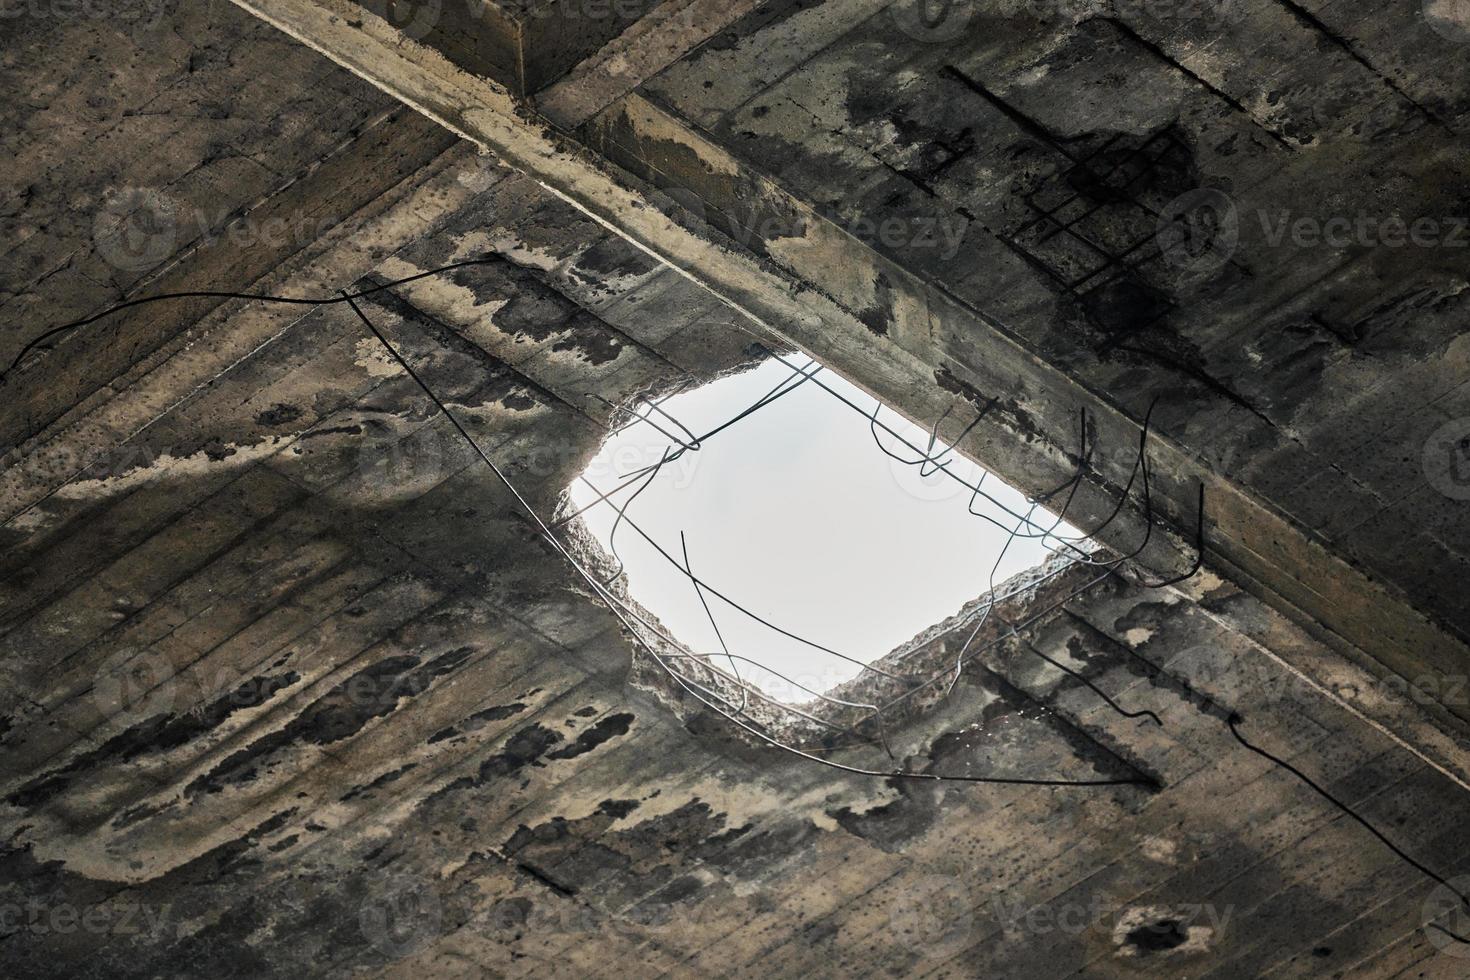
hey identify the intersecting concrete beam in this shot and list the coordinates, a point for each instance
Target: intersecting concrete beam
(816, 293)
(523, 44)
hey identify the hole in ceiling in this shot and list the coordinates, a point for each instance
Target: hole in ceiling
(795, 513)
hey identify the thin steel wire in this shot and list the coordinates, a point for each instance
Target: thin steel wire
(683, 682)
(928, 458)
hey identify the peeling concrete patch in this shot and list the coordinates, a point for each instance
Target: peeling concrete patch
(478, 720)
(659, 128)
(372, 692)
(613, 726)
(278, 415)
(1138, 636)
(376, 361)
(891, 825)
(169, 467)
(1160, 849)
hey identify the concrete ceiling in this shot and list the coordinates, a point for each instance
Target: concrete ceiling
(292, 686)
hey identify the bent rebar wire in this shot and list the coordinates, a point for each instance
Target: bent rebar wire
(1140, 464)
(804, 373)
(940, 467)
(1233, 723)
(612, 536)
(689, 570)
(774, 394)
(691, 446)
(614, 605)
(36, 343)
(619, 610)
(700, 588)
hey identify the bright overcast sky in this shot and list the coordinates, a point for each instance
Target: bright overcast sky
(796, 514)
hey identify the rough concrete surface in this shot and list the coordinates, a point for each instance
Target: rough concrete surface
(291, 685)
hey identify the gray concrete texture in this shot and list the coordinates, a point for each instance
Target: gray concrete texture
(290, 686)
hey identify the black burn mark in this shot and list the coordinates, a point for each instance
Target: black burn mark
(566, 891)
(1125, 306)
(538, 315)
(953, 750)
(518, 401)
(879, 318)
(547, 834)
(591, 340)
(136, 814)
(336, 430)
(1157, 52)
(228, 857)
(278, 414)
(610, 260)
(637, 859)
(681, 890)
(749, 852)
(892, 825)
(373, 692)
(216, 451)
(1020, 421)
(1157, 937)
(524, 748)
(938, 151)
(131, 947)
(613, 726)
(478, 720)
(161, 733)
(946, 380)
(1122, 173)
(1191, 368)
(530, 309)
(383, 780)
(514, 391)
(617, 809)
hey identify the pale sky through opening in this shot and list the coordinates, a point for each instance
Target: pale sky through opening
(796, 514)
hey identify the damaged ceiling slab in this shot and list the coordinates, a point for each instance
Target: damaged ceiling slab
(307, 666)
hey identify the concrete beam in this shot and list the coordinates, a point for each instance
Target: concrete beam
(523, 45)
